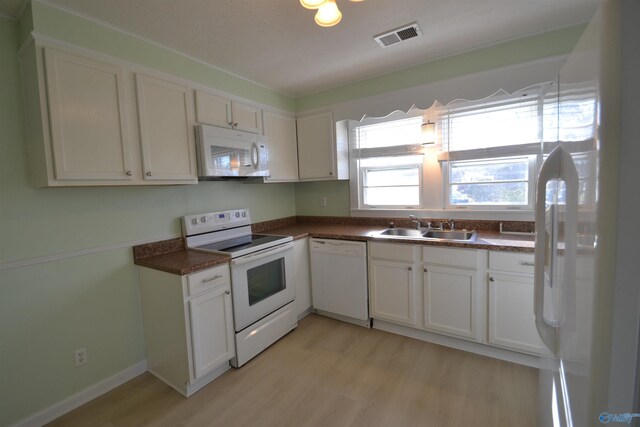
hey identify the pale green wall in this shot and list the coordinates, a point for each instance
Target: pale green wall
(513, 52)
(308, 198)
(74, 29)
(50, 309)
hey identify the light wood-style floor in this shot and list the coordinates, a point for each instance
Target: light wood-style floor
(329, 373)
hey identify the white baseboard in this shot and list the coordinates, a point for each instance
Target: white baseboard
(460, 344)
(305, 313)
(347, 319)
(72, 402)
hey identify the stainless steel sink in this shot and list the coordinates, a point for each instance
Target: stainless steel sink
(402, 232)
(451, 235)
(428, 234)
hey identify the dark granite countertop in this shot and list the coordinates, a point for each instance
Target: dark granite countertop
(173, 257)
(486, 239)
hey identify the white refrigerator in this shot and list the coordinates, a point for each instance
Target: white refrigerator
(589, 372)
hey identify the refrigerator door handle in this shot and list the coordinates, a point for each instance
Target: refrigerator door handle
(559, 165)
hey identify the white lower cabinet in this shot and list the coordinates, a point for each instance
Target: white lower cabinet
(511, 318)
(426, 287)
(392, 291)
(450, 300)
(188, 326)
(392, 282)
(450, 291)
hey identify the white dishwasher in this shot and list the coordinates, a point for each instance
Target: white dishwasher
(339, 280)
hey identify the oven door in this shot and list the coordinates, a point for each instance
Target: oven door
(261, 283)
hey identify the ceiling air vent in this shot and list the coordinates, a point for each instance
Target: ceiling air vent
(398, 35)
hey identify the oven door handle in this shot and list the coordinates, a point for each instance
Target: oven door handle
(262, 254)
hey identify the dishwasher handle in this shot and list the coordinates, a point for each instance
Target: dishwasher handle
(338, 247)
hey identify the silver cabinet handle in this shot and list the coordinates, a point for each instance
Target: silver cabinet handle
(129, 173)
(425, 270)
(211, 279)
(149, 173)
(491, 279)
(410, 268)
(527, 263)
(227, 292)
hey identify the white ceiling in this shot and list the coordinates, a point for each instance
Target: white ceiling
(277, 44)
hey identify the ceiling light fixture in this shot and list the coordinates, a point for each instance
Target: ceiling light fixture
(311, 4)
(328, 13)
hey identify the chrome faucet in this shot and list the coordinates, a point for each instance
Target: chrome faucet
(448, 222)
(416, 221)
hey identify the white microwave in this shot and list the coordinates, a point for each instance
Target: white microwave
(228, 154)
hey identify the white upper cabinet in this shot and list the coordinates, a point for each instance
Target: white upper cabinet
(320, 157)
(89, 138)
(92, 123)
(217, 110)
(280, 131)
(165, 113)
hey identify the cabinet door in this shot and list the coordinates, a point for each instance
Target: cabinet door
(511, 319)
(246, 117)
(165, 112)
(213, 109)
(212, 337)
(87, 119)
(316, 147)
(392, 291)
(450, 300)
(302, 272)
(280, 131)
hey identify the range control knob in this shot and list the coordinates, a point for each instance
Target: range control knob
(194, 221)
(203, 219)
(244, 214)
(237, 214)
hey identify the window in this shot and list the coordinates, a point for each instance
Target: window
(493, 182)
(487, 156)
(491, 150)
(389, 162)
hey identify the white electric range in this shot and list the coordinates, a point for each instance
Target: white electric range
(262, 278)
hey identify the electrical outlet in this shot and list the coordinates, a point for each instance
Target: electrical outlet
(323, 201)
(80, 356)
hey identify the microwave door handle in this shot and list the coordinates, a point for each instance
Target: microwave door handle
(262, 254)
(255, 156)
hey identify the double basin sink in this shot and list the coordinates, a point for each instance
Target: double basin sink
(430, 234)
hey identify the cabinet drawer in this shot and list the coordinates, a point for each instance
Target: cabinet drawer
(511, 261)
(207, 279)
(395, 251)
(466, 258)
